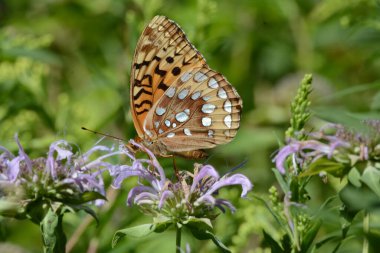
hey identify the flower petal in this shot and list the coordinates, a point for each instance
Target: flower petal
(205, 199)
(232, 180)
(146, 198)
(13, 168)
(222, 202)
(283, 154)
(154, 161)
(136, 191)
(205, 171)
(164, 196)
(23, 155)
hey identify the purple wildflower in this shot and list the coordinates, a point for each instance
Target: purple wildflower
(60, 177)
(334, 142)
(194, 195)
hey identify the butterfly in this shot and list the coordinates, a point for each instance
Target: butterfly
(179, 104)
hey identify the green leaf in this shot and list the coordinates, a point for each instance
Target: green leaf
(286, 243)
(338, 237)
(355, 89)
(327, 239)
(310, 235)
(201, 229)
(198, 223)
(272, 243)
(223, 248)
(83, 198)
(162, 223)
(198, 226)
(274, 214)
(35, 54)
(371, 177)
(373, 237)
(136, 232)
(9, 208)
(338, 115)
(325, 165)
(354, 177)
(91, 195)
(206, 235)
(375, 105)
(280, 180)
(357, 199)
(35, 211)
(90, 212)
(54, 239)
(349, 195)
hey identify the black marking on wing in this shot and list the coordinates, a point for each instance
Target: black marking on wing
(160, 72)
(184, 62)
(156, 58)
(139, 65)
(150, 79)
(162, 86)
(138, 83)
(141, 112)
(169, 59)
(146, 63)
(176, 71)
(143, 102)
(135, 97)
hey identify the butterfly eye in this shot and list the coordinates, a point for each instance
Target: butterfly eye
(148, 142)
(177, 101)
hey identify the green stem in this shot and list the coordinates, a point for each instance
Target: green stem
(366, 231)
(178, 238)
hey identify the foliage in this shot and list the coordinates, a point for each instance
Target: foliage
(66, 64)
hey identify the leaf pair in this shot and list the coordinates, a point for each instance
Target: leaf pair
(200, 228)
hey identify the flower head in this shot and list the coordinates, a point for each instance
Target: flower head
(193, 195)
(60, 178)
(334, 142)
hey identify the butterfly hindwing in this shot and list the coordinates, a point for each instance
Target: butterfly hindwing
(200, 110)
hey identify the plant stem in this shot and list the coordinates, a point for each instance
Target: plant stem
(366, 231)
(178, 238)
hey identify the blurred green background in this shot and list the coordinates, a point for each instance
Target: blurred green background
(66, 64)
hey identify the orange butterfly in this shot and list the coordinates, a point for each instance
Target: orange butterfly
(179, 105)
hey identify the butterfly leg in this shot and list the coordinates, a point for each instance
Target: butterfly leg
(131, 148)
(176, 171)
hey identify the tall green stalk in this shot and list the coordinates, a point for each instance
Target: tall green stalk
(366, 231)
(178, 238)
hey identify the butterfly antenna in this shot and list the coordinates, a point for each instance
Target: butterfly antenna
(208, 159)
(102, 134)
(238, 166)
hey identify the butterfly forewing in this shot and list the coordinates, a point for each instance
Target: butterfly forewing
(179, 105)
(200, 110)
(162, 54)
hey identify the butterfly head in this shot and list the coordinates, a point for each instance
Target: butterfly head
(153, 145)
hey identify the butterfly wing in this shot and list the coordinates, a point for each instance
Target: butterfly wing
(199, 111)
(162, 54)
